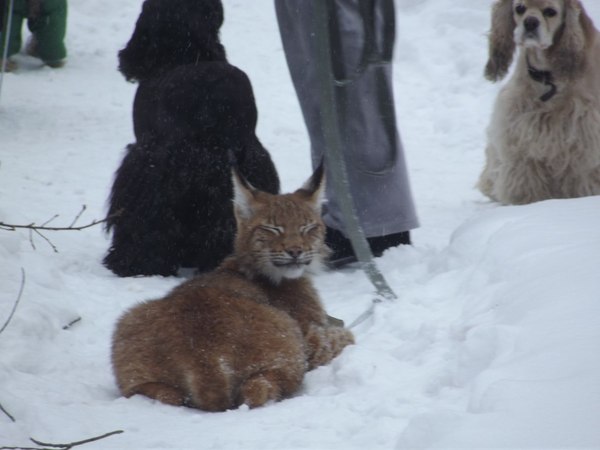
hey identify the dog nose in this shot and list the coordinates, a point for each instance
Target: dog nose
(531, 23)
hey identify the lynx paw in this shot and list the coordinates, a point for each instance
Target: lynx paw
(325, 343)
(258, 390)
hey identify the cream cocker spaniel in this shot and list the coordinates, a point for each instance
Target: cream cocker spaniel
(544, 135)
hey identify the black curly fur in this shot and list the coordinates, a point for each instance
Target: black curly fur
(170, 204)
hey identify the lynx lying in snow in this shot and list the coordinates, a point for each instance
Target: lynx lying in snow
(247, 332)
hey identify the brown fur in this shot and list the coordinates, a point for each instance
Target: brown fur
(247, 332)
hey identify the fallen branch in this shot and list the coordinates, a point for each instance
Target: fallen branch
(48, 446)
(37, 229)
(45, 227)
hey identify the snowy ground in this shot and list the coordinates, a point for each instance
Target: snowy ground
(495, 338)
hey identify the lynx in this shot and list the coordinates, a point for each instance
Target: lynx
(247, 332)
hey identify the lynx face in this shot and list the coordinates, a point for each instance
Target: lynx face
(280, 236)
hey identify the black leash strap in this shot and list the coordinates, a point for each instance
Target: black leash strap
(545, 77)
(335, 159)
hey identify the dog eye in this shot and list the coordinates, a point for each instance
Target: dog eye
(550, 12)
(520, 9)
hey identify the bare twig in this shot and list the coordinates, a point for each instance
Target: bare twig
(47, 446)
(44, 227)
(21, 448)
(10, 316)
(31, 239)
(75, 444)
(83, 208)
(71, 323)
(50, 220)
(48, 241)
(37, 229)
(9, 415)
(12, 313)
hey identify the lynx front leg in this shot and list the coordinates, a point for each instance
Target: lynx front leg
(325, 343)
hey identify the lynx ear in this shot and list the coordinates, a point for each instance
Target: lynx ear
(501, 40)
(243, 195)
(314, 188)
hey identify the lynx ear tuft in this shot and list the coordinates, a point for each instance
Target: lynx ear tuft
(314, 187)
(243, 195)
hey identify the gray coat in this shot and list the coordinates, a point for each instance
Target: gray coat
(362, 36)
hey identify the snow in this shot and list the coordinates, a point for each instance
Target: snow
(493, 341)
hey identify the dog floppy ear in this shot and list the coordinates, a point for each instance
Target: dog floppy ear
(501, 41)
(568, 53)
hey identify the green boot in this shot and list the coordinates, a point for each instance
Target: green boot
(48, 26)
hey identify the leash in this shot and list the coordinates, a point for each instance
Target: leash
(6, 38)
(330, 107)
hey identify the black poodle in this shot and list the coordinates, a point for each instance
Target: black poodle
(171, 201)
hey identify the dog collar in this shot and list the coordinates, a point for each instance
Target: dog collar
(542, 76)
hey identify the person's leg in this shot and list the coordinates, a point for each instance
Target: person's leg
(49, 30)
(373, 152)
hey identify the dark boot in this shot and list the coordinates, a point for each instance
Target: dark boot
(343, 253)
